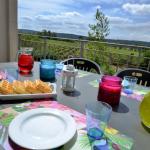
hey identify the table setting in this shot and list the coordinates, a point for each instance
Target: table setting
(116, 139)
(49, 118)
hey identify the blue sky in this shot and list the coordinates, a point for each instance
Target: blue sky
(129, 19)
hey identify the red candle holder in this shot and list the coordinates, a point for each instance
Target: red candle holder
(110, 90)
(25, 63)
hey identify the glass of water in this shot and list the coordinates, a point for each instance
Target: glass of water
(97, 116)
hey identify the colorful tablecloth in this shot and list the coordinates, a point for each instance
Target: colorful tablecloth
(114, 140)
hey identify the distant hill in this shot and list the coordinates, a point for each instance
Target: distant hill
(138, 43)
(26, 31)
(73, 36)
(60, 35)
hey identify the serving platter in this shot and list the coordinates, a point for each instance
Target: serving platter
(30, 96)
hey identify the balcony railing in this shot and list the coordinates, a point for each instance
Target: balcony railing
(110, 56)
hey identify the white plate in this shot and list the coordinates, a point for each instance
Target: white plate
(42, 128)
(29, 96)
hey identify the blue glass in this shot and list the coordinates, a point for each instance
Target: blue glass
(95, 133)
(97, 116)
(100, 145)
(47, 70)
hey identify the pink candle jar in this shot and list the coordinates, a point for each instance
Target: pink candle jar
(110, 90)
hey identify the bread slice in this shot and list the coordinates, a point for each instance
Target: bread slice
(6, 87)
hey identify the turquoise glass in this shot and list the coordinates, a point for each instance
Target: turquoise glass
(47, 70)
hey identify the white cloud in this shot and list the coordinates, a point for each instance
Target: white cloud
(66, 22)
(98, 7)
(100, 1)
(37, 7)
(88, 1)
(42, 17)
(142, 28)
(131, 31)
(137, 8)
(133, 36)
(71, 14)
(130, 25)
(28, 18)
(118, 20)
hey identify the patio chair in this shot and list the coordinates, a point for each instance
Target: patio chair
(142, 75)
(83, 64)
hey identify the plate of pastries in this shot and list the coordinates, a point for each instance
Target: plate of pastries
(26, 89)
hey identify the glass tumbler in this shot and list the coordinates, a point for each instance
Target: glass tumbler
(129, 83)
(97, 116)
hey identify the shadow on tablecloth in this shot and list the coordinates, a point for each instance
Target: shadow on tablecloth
(121, 108)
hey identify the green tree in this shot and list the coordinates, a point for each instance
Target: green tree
(44, 32)
(49, 33)
(101, 29)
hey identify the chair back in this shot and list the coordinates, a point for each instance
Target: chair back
(142, 75)
(83, 64)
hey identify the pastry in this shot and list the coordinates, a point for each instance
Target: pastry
(30, 87)
(19, 87)
(43, 87)
(6, 87)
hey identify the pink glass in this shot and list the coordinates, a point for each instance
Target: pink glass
(110, 90)
(25, 62)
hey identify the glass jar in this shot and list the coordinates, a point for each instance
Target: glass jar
(47, 70)
(110, 90)
(25, 61)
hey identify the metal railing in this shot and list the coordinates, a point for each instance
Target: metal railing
(116, 56)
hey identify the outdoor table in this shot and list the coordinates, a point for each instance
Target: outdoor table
(125, 118)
